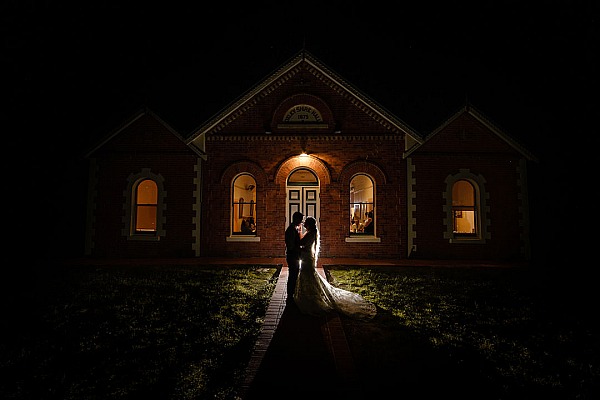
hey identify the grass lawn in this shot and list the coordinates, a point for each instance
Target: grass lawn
(187, 332)
(167, 332)
(477, 333)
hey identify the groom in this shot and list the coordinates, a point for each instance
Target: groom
(292, 253)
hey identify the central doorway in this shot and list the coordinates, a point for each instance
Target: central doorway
(302, 191)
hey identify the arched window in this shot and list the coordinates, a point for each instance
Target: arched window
(464, 208)
(362, 206)
(243, 210)
(146, 204)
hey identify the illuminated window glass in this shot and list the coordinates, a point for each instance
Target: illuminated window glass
(362, 206)
(146, 206)
(464, 209)
(243, 210)
(303, 177)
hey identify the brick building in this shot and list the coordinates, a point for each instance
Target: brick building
(304, 139)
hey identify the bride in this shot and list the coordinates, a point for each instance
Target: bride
(314, 295)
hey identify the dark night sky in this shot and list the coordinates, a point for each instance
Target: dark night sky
(73, 73)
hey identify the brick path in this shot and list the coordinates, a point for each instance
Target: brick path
(298, 355)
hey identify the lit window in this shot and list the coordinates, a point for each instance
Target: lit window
(146, 203)
(464, 210)
(243, 214)
(362, 206)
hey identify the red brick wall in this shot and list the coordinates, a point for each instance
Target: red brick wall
(338, 160)
(145, 144)
(466, 144)
(263, 114)
(356, 140)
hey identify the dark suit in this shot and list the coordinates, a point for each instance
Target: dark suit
(292, 257)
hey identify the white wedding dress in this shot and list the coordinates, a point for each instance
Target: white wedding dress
(314, 295)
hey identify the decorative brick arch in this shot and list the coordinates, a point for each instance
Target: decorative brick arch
(307, 161)
(481, 198)
(129, 204)
(363, 167)
(308, 99)
(244, 167)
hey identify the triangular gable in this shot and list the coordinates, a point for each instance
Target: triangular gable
(484, 121)
(135, 117)
(363, 102)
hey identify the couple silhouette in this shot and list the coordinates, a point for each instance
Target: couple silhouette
(306, 288)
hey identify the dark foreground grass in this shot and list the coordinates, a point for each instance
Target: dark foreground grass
(476, 333)
(166, 332)
(187, 332)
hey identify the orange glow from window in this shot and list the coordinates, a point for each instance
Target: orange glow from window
(244, 220)
(146, 206)
(463, 206)
(362, 205)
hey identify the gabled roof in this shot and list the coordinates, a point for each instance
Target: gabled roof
(136, 116)
(483, 120)
(231, 112)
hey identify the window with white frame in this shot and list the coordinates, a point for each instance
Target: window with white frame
(146, 205)
(362, 206)
(243, 211)
(464, 208)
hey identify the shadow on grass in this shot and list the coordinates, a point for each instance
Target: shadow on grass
(188, 332)
(471, 333)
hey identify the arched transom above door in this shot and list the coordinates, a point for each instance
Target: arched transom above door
(305, 161)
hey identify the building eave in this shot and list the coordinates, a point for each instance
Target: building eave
(483, 120)
(229, 113)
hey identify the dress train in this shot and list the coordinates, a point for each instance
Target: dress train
(314, 295)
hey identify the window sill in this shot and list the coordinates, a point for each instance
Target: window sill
(467, 240)
(239, 238)
(363, 239)
(145, 238)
